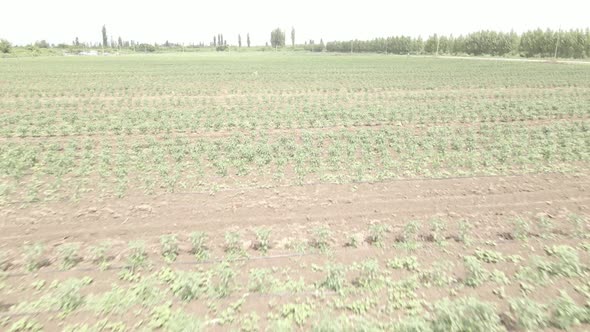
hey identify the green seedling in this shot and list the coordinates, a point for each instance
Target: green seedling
(34, 257)
(198, 245)
(169, 245)
(262, 240)
(321, 238)
(99, 255)
(377, 234)
(69, 255)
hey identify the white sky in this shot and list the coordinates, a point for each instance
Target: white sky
(188, 21)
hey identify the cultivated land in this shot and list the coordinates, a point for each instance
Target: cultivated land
(293, 192)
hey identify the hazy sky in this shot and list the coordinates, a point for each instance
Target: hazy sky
(24, 21)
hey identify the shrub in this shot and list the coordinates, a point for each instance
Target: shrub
(5, 46)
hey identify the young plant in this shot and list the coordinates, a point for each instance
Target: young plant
(475, 273)
(99, 255)
(198, 245)
(169, 244)
(521, 229)
(437, 227)
(34, 257)
(321, 238)
(468, 314)
(529, 315)
(464, 230)
(69, 255)
(335, 279)
(377, 234)
(579, 223)
(233, 244)
(224, 280)
(354, 240)
(262, 240)
(137, 257)
(369, 275)
(566, 313)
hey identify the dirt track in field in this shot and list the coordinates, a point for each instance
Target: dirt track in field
(341, 206)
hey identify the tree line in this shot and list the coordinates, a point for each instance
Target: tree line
(573, 43)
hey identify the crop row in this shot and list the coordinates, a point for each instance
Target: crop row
(44, 169)
(195, 76)
(150, 120)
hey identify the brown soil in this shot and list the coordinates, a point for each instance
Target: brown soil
(490, 204)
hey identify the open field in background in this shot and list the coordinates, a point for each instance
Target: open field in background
(290, 192)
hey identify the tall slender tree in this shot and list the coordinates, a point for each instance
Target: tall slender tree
(105, 39)
(239, 41)
(293, 37)
(248, 39)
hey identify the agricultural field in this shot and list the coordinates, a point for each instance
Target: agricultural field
(285, 192)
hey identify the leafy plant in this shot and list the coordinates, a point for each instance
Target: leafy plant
(261, 280)
(464, 232)
(528, 314)
(521, 229)
(69, 255)
(488, 256)
(297, 313)
(377, 234)
(321, 238)
(335, 278)
(223, 284)
(409, 263)
(437, 227)
(233, 244)
(580, 225)
(467, 314)
(169, 244)
(198, 245)
(99, 255)
(369, 275)
(567, 264)
(354, 240)
(34, 257)
(565, 312)
(476, 275)
(262, 240)
(137, 257)
(165, 318)
(25, 324)
(68, 296)
(189, 286)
